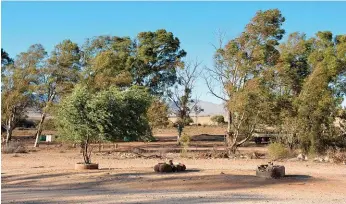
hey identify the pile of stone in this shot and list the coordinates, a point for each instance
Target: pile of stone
(212, 155)
(170, 167)
(270, 171)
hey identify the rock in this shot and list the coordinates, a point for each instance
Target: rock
(180, 167)
(157, 167)
(255, 155)
(321, 159)
(270, 171)
(163, 167)
(302, 157)
(293, 159)
(326, 159)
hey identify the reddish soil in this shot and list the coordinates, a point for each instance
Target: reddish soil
(47, 175)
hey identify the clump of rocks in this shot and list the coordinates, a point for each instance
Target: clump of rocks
(212, 155)
(170, 167)
(270, 171)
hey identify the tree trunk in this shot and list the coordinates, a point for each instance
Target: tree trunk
(39, 130)
(85, 151)
(9, 130)
(231, 146)
(229, 121)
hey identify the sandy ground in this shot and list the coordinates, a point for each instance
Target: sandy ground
(47, 176)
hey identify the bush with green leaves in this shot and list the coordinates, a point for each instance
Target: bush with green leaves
(184, 141)
(218, 119)
(158, 114)
(87, 117)
(277, 151)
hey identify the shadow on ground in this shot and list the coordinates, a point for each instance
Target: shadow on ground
(40, 187)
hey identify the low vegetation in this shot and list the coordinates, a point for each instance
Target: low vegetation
(184, 142)
(218, 119)
(277, 151)
(13, 147)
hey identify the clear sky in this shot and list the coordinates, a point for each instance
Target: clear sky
(194, 23)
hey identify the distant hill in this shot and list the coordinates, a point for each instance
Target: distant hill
(209, 108)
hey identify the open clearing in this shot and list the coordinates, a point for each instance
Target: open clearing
(47, 176)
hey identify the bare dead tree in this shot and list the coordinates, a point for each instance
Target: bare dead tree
(181, 93)
(197, 109)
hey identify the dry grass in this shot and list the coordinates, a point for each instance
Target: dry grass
(277, 151)
(14, 147)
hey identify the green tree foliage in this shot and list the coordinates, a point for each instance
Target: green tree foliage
(57, 77)
(150, 60)
(243, 68)
(218, 119)
(5, 59)
(318, 101)
(18, 85)
(158, 114)
(287, 81)
(86, 117)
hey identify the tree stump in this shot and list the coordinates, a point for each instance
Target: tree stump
(270, 171)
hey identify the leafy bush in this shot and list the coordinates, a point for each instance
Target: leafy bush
(86, 117)
(218, 119)
(186, 122)
(49, 124)
(14, 147)
(158, 114)
(277, 151)
(184, 141)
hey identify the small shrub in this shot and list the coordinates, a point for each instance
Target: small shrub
(339, 157)
(171, 124)
(277, 151)
(187, 121)
(218, 119)
(184, 141)
(13, 147)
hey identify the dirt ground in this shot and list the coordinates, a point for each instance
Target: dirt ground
(46, 175)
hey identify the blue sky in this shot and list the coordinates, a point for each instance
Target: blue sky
(194, 23)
